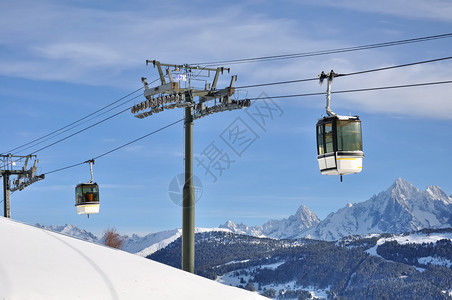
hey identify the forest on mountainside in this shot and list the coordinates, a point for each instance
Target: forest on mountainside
(344, 269)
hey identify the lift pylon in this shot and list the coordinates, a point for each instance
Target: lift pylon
(24, 177)
(179, 93)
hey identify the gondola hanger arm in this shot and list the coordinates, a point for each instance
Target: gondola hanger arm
(330, 77)
(91, 163)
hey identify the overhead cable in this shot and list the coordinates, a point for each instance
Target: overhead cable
(325, 52)
(357, 90)
(80, 131)
(75, 122)
(346, 74)
(77, 125)
(398, 66)
(117, 148)
(254, 99)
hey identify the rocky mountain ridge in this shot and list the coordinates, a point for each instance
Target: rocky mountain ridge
(288, 228)
(401, 208)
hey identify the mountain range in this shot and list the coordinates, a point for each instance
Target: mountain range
(288, 228)
(401, 208)
(395, 245)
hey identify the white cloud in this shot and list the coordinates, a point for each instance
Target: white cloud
(78, 44)
(64, 42)
(440, 10)
(428, 101)
(86, 54)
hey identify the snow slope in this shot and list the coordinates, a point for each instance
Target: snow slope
(149, 243)
(140, 245)
(40, 264)
(156, 241)
(71, 230)
(412, 238)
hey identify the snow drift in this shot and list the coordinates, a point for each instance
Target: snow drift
(40, 264)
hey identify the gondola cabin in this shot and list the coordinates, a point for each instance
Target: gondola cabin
(87, 198)
(339, 145)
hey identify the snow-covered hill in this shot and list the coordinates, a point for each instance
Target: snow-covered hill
(71, 230)
(153, 242)
(406, 266)
(288, 228)
(148, 244)
(40, 264)
(412, 238)
(401, 208)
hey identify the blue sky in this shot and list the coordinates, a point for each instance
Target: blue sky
(60, 61)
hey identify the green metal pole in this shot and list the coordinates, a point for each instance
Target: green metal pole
(6, 196)
(188, 197)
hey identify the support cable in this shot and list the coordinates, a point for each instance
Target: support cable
(86, 121)
(357, 90)
(346, 74)
(255, 99)
(117, 148)
(248, 86)
(274, 97)
(397, 66)
(288, 82)
(326, 52)
(245, 86)
(80, 131)
(65, 128)
(75, 122)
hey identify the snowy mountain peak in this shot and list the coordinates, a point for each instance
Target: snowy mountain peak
(305, 218)
(438, 194)
(402, 189)
(401, 208)
(243, 229)
(306, 212)
(291, 227)
(71, 230)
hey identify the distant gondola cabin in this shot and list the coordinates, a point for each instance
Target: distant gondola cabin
(87, 198)
(339, 145)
